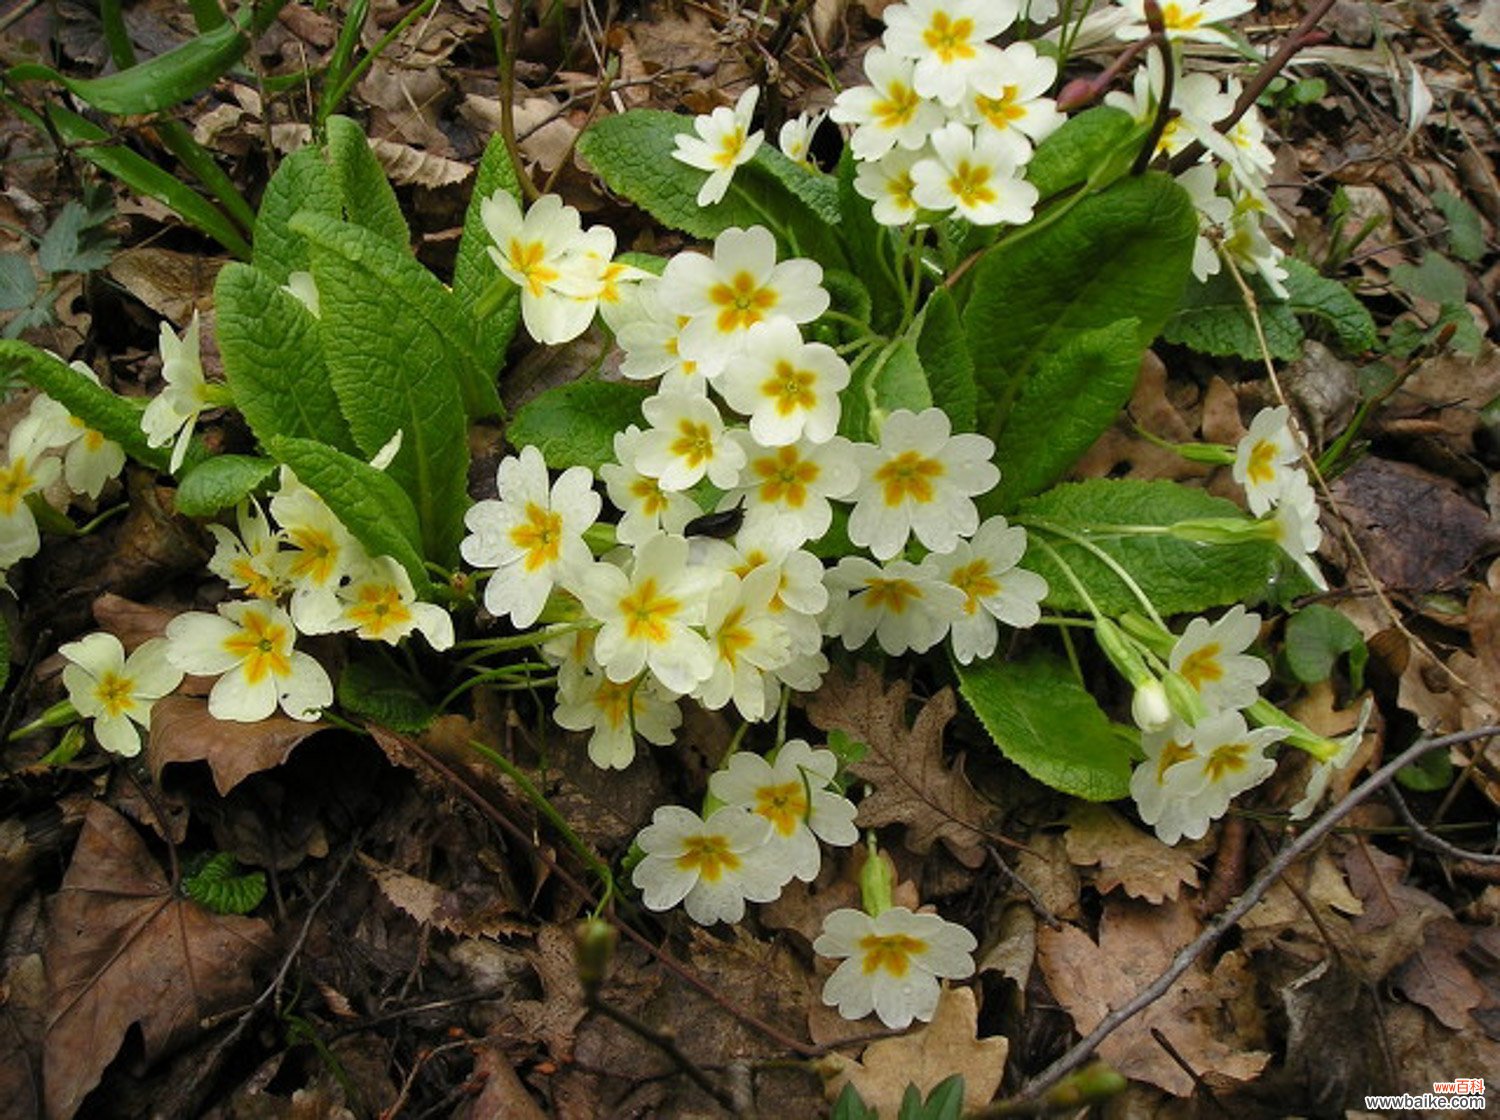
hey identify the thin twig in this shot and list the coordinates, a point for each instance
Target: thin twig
(1038, 907)
(668, 1046)
(1428, 839)
(1216, 929)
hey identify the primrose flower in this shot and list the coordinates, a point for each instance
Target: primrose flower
(894, 963)
(687, 441)
(888, 183)
(645, 506)
(249, 647)
(1247, 244)
(1185, 19)
(248, 560)
(994, 589)
(710, 866)
(723, 143)
(651, 343)
(1323, 772)
(1011, 101)
(532, 535)
(648, 616)
(888, 113)
(319, 552)
(27, 470)
(380, 605)
(1191, 774)
(1211, 658)
(906, 606)
(791, 484)
(921, 479)
(1198, 102)
(615, 712)
(792, 793)
(1294, 526)
(1201, 182)
(747, 643)
(948, 41)
(975, 175)
(796, 136)
(544, 253)
(117, 692)
(788, 388)
(170, 416)
(90, 460)
(740, 285)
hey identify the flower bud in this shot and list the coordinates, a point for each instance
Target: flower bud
(1220, 530)
(876, 879)
(1122, 653)
(1149, 707)
(593, 948)
(1185, 702)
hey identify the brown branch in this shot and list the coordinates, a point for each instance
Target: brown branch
(1428, 839)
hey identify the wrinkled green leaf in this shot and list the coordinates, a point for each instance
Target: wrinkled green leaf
(273, 359)
(363, 188)
(885, 379)
(1313, 295)
(1178, 576)
(380, 692)
(221, 482)
(1082, 146)
(869, 248)
(819, 191)
(368, 502)
(1049, 725)
(1434, 278)
(18, 286)
(1316, 637)
(216, 886)
(1465, 228)
(575, 424)
(945, 357)
(475, 272)
(303, 181)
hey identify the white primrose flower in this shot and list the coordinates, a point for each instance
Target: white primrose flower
(27, 470)
(1011, 100)
(948, 41)
(687, 441)
(1323, 772)
(1248, 246)
(723, 143)
(604, 281)
(711, 866)
(894, 963)
(532, 535)
(1244, 146)
(644, 505)
(248, 560)
(920, 479)
(1294, 526)
(740, 285)
(650, 341)
(545, 254)
(1211, 657)
(1264, 460)
(170, 416)
(747, 643)
(788, 388)
(994, 589)
(906, 606)
(792, 792)
(888, 183)
(976, 176)
(249, 647)
(319, 553)
(796, 137)
(1214, 213)
(1198, 102)
(90, 460)
(380, 605)
(615, 712)
(792, 485)
(117, 692)
(648, 616)
(1185, 19)
(888, 113)
(1191, 774)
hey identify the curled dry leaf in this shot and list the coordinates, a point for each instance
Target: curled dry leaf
(470, 910)
(405, 165)
(913, 783)
(126, 950)
(1127, 857)
(924, 1057)
(183, 731)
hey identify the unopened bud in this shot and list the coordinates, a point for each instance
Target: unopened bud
(1183, 698)
(593, 948)
(1149, 707)
(877, 878)
(1122, 653)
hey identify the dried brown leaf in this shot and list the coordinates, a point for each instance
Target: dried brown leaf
(913, 783)
(405, 165)
(503, 1093)
(924, 1057)
(467, 911)
(1136, 944)
(1127, 857)
(183, 731)
(126, 950)
(555, 1017)
(23, 1018)
(1396, 914)
(1437, 977)
(172, 284)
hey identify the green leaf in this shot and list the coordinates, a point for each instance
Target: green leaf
(1049, 725)
(1434, 278)
(818, 191)
(304, 181)
(475, 272)
(1213, 320)
(368, 198)
(65, 247)
(847, 295)
(367, 501)
(946, 1101)
(1314, 295)
(1082, 146)
(851, 1106)
(884, 380)
(1316, 637)
(869, 247)
(944, 355)
(1068, 403)
(378, 691)
(1179, 576)
(273, 359)
(396, 350)
(216, 886)
(1430, 773)
(221, 482)
(18, 286)
(1465, 229)
(575, 424)
(1123, 254)
(113, 416)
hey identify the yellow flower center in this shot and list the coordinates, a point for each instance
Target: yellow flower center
(899, 187)
(897, 107)
(540, 536)
(733, 637)
(730, 146)
(975, 581)
(970, 184)
(791, 388)
(741, 302)
(695, 443)
(16, 481)
(949, 39)
(1202, 665)
(1261, 468)
(908, 475)
(785, 477)
(380, 608)
(1173, 18)
(648, 613)
(709, 856)
(785, 806)
(1171, 754)
(1003, 110)
(262, 646)
(892, 594)
(317, 555)
(1228, 759)
(256, 582)
(648, 492)
(615, 701)
(890, 953)
(116, 694)
(529, 259)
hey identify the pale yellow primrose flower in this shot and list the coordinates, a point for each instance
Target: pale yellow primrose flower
(888, 113)
(948, 39)
(748, 643)
(723, 143)
(615, 712)
(1010, 100)
(995, 590)
(1211, 657)
(791, 485)
(248, 561)
(787, 387)
(249, 647)
(796, 136)
(90, 460)
(172, 413)
(712, 867)
(117, 692)
(319, 553)
(27, 470)
(888, 183)
(545, 253)
(1191, 774)
(1185, 19)
(380, 605)
(687, 441)
(644, 505)
(894, 963)
(975, 176)
(906, 606)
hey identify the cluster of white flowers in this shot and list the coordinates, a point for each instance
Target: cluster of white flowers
(749, 408)
(50, 455)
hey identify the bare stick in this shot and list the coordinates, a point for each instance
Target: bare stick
(1428, 839)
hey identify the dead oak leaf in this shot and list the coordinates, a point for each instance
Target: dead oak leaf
(925, 1057)
(123, 950)
(1126, 856)
(472, 909)
(1136, 944)
(913, 785)
(1437, 977)
(183, 731)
